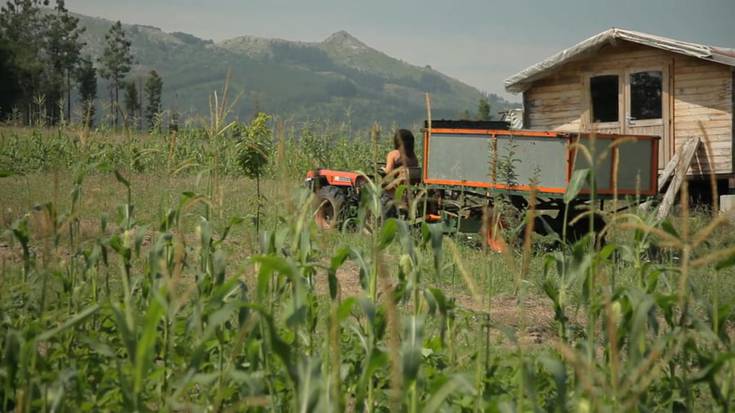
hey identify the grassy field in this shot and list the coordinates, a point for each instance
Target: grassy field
(132, 278)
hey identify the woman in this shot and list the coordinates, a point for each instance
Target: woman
(397, 165)
(402, 153)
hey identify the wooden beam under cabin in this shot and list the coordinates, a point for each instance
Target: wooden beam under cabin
(680, 166)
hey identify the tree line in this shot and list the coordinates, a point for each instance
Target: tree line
(42, 65)
(483, 110)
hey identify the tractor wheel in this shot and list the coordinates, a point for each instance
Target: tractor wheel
(329, 207)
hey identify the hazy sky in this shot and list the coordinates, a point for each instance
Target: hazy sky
(478, 42)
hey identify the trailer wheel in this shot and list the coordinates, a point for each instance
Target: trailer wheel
(329, 207)
(579, 229)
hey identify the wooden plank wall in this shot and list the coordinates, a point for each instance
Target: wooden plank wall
(554, 103)
(700, 91)
(703, 93)
(559, 101)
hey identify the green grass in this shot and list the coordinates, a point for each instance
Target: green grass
(133, 280)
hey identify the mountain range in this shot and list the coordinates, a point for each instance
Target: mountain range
(339, 79)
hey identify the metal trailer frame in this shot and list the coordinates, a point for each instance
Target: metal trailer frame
(614, 142)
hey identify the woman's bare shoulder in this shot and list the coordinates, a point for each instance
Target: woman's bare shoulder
(393, 155)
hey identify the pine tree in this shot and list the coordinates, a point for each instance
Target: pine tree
(132, 103)
(87, 84)
(10, 92)
(42, 46)
(22, 29)
(153, 90)
(116, 62)
(63, 47)
(483, 109)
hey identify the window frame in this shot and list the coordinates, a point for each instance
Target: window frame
(621, 97)
(667, 134)
(628, 97)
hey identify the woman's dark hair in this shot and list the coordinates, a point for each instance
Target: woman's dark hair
(403, 139)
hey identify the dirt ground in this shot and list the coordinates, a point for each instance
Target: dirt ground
(532, 320)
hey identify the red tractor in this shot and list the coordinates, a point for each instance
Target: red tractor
(337, 193)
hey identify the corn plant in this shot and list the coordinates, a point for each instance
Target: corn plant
(159, 305)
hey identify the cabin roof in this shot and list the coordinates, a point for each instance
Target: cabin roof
(522, 80)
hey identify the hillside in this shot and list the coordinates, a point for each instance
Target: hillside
(338, 79)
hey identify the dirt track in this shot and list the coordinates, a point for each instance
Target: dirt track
(535, 316)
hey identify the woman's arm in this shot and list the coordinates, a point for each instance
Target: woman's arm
(390, 160)
(392, 172)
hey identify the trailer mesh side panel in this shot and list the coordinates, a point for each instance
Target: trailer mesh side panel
(459, 158)
(470, 158)
(634, 168)
(535, 160)
(603, 162)
(522, 160)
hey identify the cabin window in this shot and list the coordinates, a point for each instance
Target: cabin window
(604, 92)
(645, 95)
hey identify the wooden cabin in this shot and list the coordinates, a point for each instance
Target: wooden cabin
(621, 81)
